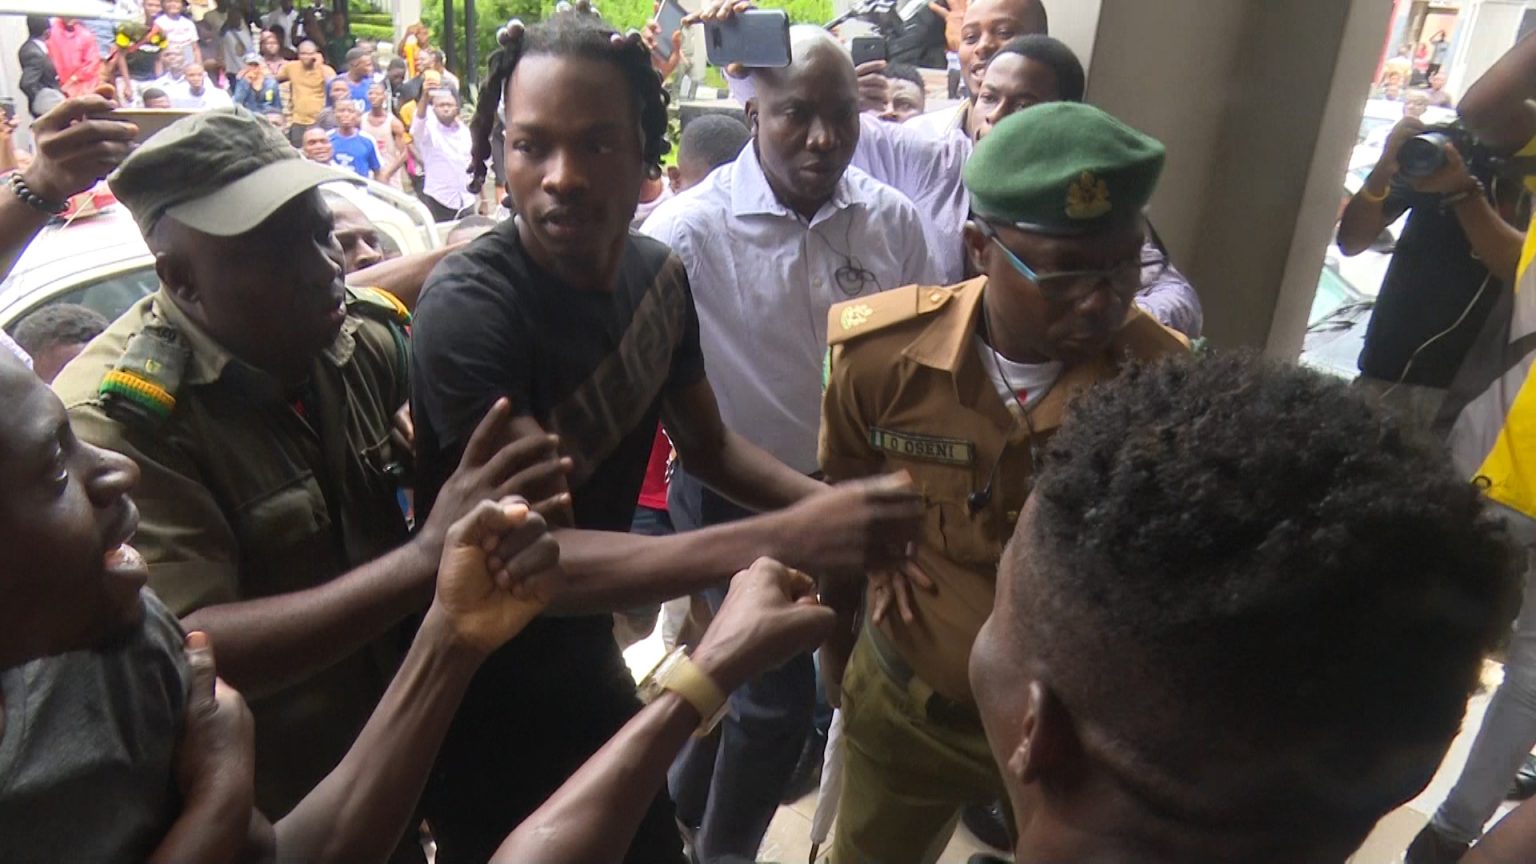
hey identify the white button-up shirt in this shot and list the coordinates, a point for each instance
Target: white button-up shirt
(445, 157)
(929, 170)
(764, 279)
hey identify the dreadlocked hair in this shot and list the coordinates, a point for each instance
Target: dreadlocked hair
(572, 33)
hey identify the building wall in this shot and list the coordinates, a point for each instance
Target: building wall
(1258, 104)
(1487, 30)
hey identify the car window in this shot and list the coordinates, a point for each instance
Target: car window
(111, 295)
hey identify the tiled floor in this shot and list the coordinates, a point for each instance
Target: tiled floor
(789, 837)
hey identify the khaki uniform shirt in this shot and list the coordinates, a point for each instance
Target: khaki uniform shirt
(907, 391)
(241, 495)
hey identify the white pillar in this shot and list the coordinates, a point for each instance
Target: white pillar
(1258, 104)
(406, 12)
(1485, 32)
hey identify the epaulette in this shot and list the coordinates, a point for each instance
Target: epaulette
(1143, 337)
(141, 388)
(386, 308)
(862, 316)
(378, 304)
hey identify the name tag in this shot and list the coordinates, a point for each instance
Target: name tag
(926, 448)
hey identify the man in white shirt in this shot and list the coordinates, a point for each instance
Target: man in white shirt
(443, 142)
(770, 243)
(284, 16)
(194, 93)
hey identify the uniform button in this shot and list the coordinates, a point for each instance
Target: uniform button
(936, 296)
(1013, 515)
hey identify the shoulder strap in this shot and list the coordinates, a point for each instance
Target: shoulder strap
(853, 319)
(140, 390)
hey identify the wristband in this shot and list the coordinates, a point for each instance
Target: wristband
(1476, 190)
(1365, 192)
(680, 675)
(20, 189)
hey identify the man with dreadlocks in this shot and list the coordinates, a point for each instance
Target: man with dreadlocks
(591, 331)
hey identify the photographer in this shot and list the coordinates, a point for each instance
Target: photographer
(1484, 419)
(1447, 271)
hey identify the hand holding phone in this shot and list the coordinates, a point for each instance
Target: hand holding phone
(755, 38)
(669, 20)
(867, 49)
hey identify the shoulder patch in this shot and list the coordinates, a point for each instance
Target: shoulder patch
(141, 387)
(864, 315)
(378, 304)
(1144, 338)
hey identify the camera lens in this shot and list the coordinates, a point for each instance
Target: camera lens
(1422, 155)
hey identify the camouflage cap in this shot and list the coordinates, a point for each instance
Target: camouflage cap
(222, 172)
(1063, 168)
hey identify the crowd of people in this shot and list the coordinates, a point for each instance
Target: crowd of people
(281, 65)
(901, 422)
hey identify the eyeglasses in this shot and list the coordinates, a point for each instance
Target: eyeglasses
(1071, 286)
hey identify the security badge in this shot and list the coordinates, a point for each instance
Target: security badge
(924, 448)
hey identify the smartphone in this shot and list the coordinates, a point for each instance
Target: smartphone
(756, 38)
(670, 17)
(149, 120)
(867, 49)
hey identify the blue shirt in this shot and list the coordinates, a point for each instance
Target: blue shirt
(360, 91)
(355, 152)
(267, 99)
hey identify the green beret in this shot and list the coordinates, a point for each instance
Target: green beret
(1063, 168)
(222, 172)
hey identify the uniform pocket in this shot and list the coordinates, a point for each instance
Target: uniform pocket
(283, 518)
(950, 527)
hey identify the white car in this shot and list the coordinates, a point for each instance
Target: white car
(101, 261)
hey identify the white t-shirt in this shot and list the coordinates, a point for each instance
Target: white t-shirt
(1017, 383)
(180, 33)
(183, 99)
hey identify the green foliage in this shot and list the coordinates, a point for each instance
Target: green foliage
(622, 14)
(376, 32)
(803, 11)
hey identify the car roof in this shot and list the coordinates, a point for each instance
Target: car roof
(109, 239)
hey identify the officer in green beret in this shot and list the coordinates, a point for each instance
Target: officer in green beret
(257, 394)
(961, 387)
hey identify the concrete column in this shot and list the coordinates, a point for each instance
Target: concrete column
(1484, 32)
(406, 12)
(1258, 104)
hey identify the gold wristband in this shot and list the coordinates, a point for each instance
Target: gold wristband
(682, 676)
(1367, 194)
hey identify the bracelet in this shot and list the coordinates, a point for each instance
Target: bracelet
(1476, 190)
(37, 202)
(1365, 192)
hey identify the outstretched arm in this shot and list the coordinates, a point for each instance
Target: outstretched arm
(498, 571)
(770, 615)
(724, 460)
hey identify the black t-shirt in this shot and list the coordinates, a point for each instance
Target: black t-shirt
(592, 367)
(589, 366)
(1430, 283)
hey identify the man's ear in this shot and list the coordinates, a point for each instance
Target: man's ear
(751, 111)
(174, 275)
(976, 247)
(1047, 743)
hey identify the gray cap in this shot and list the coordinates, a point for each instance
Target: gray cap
(222, 172)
